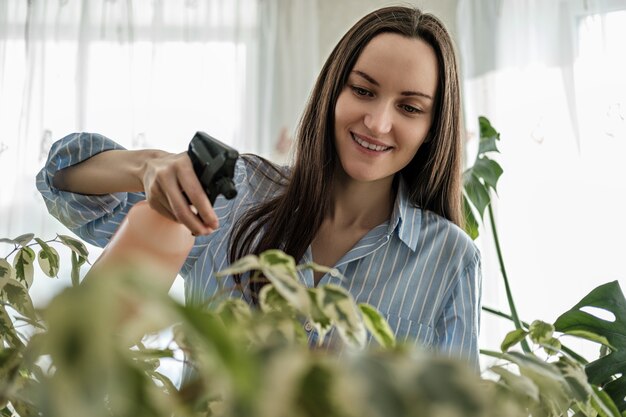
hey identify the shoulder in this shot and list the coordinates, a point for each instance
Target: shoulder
(259, 172)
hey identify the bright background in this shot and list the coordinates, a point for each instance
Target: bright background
(549, 74)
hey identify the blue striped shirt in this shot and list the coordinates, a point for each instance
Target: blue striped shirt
(418, 269)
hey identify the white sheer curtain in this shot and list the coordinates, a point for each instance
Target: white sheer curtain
(549, 74)
(147, 73)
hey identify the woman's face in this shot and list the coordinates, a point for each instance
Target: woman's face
(385, 110)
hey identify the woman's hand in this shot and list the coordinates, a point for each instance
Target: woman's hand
(167, 179)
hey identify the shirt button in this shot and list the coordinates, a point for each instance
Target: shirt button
(308, 326)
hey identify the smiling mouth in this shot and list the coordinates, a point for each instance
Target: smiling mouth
(370, 146)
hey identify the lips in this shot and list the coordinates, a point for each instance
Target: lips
(369, 145)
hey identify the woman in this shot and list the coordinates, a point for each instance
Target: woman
(374, 190)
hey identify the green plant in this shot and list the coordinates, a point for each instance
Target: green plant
(245, 362)
(607, 384)
(92, 350)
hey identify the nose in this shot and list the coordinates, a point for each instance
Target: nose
(379, 118)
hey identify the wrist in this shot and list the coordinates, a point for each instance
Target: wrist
(144, 158)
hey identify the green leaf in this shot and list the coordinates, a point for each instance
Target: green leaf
(318, 318)
(377, 326)
(488, 136)
(23, 263)
(487, 170)
(521, 385)
(16, 294)
(604, 371)
(245, 264)
(6, 272)
(337, 303)
(10, 359)
(7, 330)
(280, 269)
(275, 258)
(608, 297)
(75, 245)
(270, 300)
(576, 378)
(25, 409)
(77, 262)
(590, 336)
(540, 331)
(512, 338)
(48, 259)
(603, 403)
(235, 310)
(552, 346)
(21, 240)
(471, 224)
(555, 394)
(477, 193)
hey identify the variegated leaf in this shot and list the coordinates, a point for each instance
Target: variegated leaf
(16, 294)
(48, 259)
(245, 264)
(340, 307)
(320, 321)
(377, 326)
(270, 300)
(6, 272)
(7, 330)
(75, 245)
(522, 386)
(235, 309)
(275, 258)
(22, 240)
(23, 263)
(286, 283)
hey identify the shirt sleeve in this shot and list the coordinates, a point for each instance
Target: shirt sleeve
(94, 218)
(459, 326)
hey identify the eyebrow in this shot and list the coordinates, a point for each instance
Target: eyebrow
(377, 84)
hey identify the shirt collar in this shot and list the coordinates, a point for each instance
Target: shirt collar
(406, 219)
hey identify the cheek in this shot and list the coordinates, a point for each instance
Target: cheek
(342, 110)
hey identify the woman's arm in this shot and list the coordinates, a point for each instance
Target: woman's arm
(162, 176)
(96, 176)
(459, 327)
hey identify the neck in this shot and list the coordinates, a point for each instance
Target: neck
(361, 204)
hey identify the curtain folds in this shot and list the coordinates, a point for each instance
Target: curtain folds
(147, 73)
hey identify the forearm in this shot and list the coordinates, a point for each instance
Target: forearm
(107, 172)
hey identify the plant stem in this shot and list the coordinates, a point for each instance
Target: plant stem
(509, 294)
(503, 315)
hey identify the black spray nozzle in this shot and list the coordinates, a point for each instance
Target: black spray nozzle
(214, 164)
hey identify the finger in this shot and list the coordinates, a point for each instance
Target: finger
(184, 214)
(162, 209)
(197, 196)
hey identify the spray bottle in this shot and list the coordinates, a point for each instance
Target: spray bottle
(155, 244)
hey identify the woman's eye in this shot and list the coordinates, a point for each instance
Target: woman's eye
(361, 91)
(410, 109)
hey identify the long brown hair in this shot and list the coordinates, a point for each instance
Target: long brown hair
(290, 220)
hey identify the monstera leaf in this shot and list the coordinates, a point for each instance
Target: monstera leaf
(608, 371)
(480, 178)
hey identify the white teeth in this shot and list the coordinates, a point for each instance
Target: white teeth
(369, 145)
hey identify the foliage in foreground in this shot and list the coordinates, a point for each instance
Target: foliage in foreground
(87, 353)
(83, 355)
